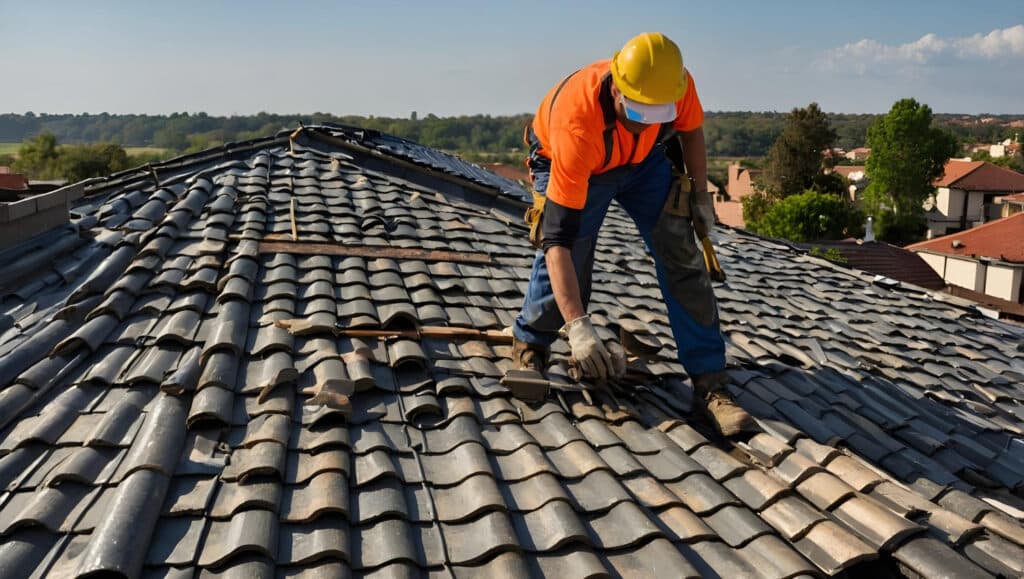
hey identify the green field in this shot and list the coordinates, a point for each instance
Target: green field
(145, 150)
(12, 149)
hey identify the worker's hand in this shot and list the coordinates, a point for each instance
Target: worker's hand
(702, 213)
(587, 349)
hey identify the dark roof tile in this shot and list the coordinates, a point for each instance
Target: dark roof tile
(325, 537)
(176, 541)
(658, 554)
(717, 559)
(625, 525)
(755, 488)
(550, 527)
(474, 542)
(189, 495)
(996, 554)
(21, 553)
(702, 494)
(773, 557)
(252, 531)
(648, 492)
(832, 549)
(879, 526)
(233, 497)
(736, 525)
(824, 490)
(792, 517)
(929, 557)
(119, 543)
(86, 465)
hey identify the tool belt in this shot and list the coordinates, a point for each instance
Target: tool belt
(678, 202)
(533, 218)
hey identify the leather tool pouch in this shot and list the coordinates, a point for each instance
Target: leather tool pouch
(533, 218)
(676, 250)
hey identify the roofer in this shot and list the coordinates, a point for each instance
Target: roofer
(606, 132)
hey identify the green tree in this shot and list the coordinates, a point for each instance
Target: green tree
(79, 162)
(810, 216)
(907, 155)
(754, 209)
(795, 158)
(38, 158)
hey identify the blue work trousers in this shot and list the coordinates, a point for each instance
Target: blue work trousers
(641, 190)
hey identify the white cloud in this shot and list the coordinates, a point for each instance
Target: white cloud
(1000, 43)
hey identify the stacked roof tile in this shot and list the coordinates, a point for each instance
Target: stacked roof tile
(170, 384)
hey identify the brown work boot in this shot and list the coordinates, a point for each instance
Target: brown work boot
(714, 400)
(529, 357)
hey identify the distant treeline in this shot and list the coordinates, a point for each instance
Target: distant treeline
(732, 134)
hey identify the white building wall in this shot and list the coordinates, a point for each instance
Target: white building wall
(975, 206)
(937, 262)
(965, 273)
(1003, 282)
(942, 196)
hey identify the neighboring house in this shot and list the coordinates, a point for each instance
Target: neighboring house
(988, 259)
(180, 395)
(13, 183)
(516, 172)
(742, 181)
(856, 175)
(728, 205)
(1007, 148)
(858, 154)
(883, 259)
(728, 211)
(1011, 204)
(966, 195)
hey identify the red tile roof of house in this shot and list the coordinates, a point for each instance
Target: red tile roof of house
(890, 261)
(13, 182)
(980, 176)
(845, 170)
(999, 239)
(516, 172)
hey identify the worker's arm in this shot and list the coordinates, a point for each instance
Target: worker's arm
(702, 207)
(695, 157)
(562, 273)
(561, 226)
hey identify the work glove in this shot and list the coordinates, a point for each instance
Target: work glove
(590, 354)
(702, 213)
(618, 354)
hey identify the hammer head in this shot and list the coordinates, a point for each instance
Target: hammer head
(527, 385)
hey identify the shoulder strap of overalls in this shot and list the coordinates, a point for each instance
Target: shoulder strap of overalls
(604, 98)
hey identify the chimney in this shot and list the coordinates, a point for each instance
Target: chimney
(869, 230)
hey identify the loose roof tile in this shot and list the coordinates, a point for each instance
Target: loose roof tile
(201, 416)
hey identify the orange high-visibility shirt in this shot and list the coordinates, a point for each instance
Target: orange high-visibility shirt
(571, 133)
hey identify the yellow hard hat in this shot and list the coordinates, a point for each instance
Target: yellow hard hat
(649, 69)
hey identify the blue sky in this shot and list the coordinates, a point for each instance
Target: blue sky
(451, 57)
